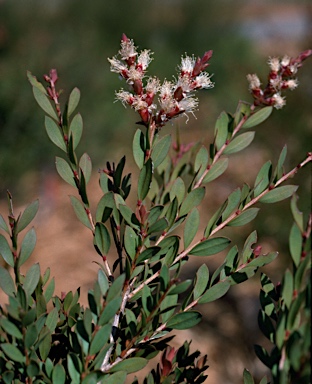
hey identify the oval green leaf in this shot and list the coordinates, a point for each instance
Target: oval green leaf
(86, 166)
(80, 212)
(75, 129)
(160, 150)
(239, 143)
(65, 171)
(138, 148)
(32, 278)
(6, 282)
(191, 227)
(184, 320)
(258, 117)
(27, 246)
(73, 101)
(279, 194)
(193, 199)
(28, 215)
(6, 252)
(210, 246)
(54, 133)
(221, 130)
(13, 353)
(215, 292)
(244, 217)
(44, 103)
(102, 238)
(202, 279)
(130, 365)
(216, 170)
(145, 179)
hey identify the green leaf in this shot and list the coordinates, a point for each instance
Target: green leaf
(103, 282)
(44, 103)
(130, 242)
(59, 374)
(247, 249)
(28, 215)
(111, 308)
(27, 246)
(239, 143)
(216, 170)
(297, 215)
(279, 171)
(263, 178)
(13, 353)
(5, 251)
(201, 161)
(232, 203)
(3, 225)
(54, 133)
(35, 83)
(86, 166)
(145, 179)
(32, 279)
(10, 328)
(105, 207)
(295, 244)
(191, 227)
(193, 199)
(100, 338)
(158, 226)
(102, 238)
(221, 130)
(180, 288)
(184, 320)
(52, 319)
(73, 101)
(49, 291)
(244, 217)
(130, 365)
(139, 147)
(248, 379)
(210, 246)
(31, 335)
(258, 117)
(287, 288)
(177, 190)
(73, 368)
(202, 278)
(160, 150)
(45, 343)
(279, 194)
(80, 212)
(129, 216)
(65, 171)
(215, 292)
(75, 129)
(147, 254)
(115, 378)
(116, 288)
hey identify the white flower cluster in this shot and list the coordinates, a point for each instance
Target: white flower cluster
(280, 78)
(174, 97)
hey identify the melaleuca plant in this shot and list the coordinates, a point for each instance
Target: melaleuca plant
(139, 301)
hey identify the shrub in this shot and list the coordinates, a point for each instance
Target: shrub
(138, 301)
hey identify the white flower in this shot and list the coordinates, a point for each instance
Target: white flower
(285, 61)
(279, 101)
(292, 84)
(139, 104)
(125, 97)
(152, 85)
(254, 82)
(144, 59)
(276, 83)
(202, 81)
(185, 83)
(274, 63)
(188, 104)
(117, 66)
(187, 65)
(134, 74)
(127, 49)
(166, 99)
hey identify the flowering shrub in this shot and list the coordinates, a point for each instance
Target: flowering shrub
(140, 299)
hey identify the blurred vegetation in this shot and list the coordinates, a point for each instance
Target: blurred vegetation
(76, 37)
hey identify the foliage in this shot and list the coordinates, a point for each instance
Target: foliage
(138, 301)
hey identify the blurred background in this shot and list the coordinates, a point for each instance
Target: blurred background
(76, 37)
